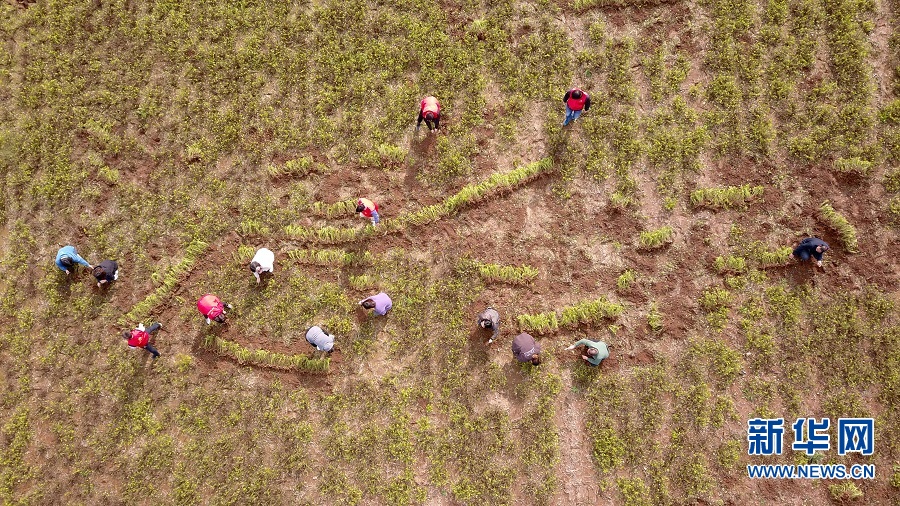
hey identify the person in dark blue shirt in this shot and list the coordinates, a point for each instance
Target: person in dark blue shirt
(811, 247)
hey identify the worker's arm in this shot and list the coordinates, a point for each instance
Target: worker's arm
(587, 103)
(77, 258)
(566, 97)
(496, 331)
(583, 341)
(419, 121)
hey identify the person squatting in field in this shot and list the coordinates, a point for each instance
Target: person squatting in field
(594, 351)
(263, 261)
(489, 319)
(368, 209)
(319, 339)
(106, 272)
(430, 113)
(526, 349)
(212, 308)
(810, 247)
(380, 303)
(67, 257)
(140, 338)
(577, 101)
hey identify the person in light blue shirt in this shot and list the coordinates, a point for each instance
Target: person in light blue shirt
(67, 257)
(594, 351)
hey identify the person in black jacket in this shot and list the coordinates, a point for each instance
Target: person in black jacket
(106, 272)
(811, 247)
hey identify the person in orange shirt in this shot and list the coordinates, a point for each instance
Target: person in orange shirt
(430, 113)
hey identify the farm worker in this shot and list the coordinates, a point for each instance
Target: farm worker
(381, 303)
(212, 308)
(368, 209)
(140, 338)
(430, 112)
(594, 351)
(811, 246)
(526, 349)
(263, 261)
(106, 272)
(576, 101)
(67, 257)
(489, 319)
(319, 339)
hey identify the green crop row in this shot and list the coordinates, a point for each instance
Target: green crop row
(730, 263)
(854, 165)
(337, 210)
(298, 167)
(265, 358)
(173, 276)
(571, 316)
(724, 197)
(468, 195)
(506, 273)
(330, 257)
(845, 230)
(653, 239)
(327, 235)
(760, 253)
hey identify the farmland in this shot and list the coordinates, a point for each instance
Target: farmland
(178, 137)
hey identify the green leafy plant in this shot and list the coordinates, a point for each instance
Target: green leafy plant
(655, 239)
(725, 197)
(845, 230)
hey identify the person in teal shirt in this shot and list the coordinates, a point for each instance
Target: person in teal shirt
(594, 351)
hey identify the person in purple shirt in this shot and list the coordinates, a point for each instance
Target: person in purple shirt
(381, 303)
(526, 349)
(811, 247)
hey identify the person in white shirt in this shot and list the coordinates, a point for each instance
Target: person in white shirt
(263, 261)
(319, 339)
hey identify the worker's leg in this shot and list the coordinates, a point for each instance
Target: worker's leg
(576, 114)
(375, 217)
(804, 255)
(152, 350)
(153, 328)
(568, 116)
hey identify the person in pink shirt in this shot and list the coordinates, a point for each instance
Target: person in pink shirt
(381, 303)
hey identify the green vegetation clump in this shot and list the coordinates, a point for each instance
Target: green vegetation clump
(625, 280)
(523, 275)
(587, 312)
(847, 491)
(297, 167)
(654, 239)
(330, 257)
(339, 209)
(265, 358)
(726, 197)
(730, 264)
(845, 230)
(853, 165)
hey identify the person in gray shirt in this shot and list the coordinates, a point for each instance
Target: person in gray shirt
(319, 339)
(489, 319)
(526, 349)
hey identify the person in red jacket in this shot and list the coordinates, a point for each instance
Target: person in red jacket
(140, 338)
(368, 209)
(576, 101)
(430, 113)
(212, 308)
